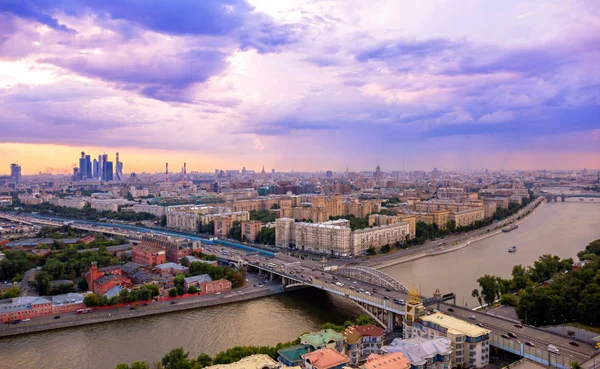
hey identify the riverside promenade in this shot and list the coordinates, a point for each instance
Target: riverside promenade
(70, 320)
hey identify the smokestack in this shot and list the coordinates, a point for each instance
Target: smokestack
(184, 173)
(167, 172)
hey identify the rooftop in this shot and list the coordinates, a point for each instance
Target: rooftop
(198, 279)
(387, 361)
(325, 358)
(353, 334)
(454, 324)
(250, 362)
(417, 351)
(321, 338)
(293, 353)
(171, 265)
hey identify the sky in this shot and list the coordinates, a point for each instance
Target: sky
(302, 85)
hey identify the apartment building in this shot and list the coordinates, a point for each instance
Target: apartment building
(470, 343)
(335, 237)
(250, 230)
(423, 353)
(176, 248)
(156, 210)
(467, 217)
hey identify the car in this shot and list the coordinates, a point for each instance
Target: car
(386, 298)
(132, 308)
(254, 284)
(322, 273)
(17, 321)
(127, 306)
(218, 293)
(388, 290)
(451, 310)
(530, 344)
(519, 325)
(334, 278)
(355, 282)
(57, 317)
(375, 289)
(351, 287)
(368, 293)
(301, 275)
(553, 349)
(479, 325)
(573, 343)
(511, 335)
(505, 336)
(472, 317)
(26, 319)
(146, 304)
(173, 302)
(316, 277)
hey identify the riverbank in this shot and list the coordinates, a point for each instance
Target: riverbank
(458, 245)
(80, 320)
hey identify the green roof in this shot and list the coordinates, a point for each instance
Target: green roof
(322, 337)
(293, 353)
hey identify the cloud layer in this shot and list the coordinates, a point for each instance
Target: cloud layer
(329, 80)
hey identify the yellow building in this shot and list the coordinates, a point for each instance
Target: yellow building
(470, 343)
(467, 217)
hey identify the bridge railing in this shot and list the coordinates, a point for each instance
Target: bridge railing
(537, 354)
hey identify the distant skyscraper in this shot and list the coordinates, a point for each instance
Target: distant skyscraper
(15, 172)
(100, 168)
(378, 173)
(88, 166)
(95, 169)
(119, 169)
(104, 171)
(329, 173)
(272, 171)
(82, 167)
(108, 171)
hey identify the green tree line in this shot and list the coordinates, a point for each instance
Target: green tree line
(550, 291)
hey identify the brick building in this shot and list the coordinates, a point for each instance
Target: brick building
(148, 255)
(176, 248)
(250, 230)
(101, 280)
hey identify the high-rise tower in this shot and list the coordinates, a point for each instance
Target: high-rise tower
(118, 169)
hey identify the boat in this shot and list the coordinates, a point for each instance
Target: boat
(512, 249)
(511, 228)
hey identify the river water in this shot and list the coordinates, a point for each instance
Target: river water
(556, 228)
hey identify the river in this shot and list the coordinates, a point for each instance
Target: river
(266, 321)
(558, 228)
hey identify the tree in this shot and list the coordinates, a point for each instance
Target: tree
(91, 299)
(575, 365)
(163, 221)
(489, 288)
(185, 261)
(122, 366)
(42, 282)
(385, 248)
(82, 284)
(476, 295)
(10, 293)
(177, 359)
(451, 225)
(371, 251)
(192, 289)
(203, 360)
(236, 231)
(139, 365)
(173, 292)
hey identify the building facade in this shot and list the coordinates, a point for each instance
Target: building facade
(176, 248)
(250, 230)
(148, 255)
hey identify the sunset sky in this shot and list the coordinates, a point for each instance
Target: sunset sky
(301, 85)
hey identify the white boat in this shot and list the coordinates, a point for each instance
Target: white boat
(512, 249)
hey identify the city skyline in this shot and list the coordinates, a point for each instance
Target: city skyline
(452, 85)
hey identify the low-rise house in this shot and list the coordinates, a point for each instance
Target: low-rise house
(387, 361)
(260, 361)
(19, 308)
(292, 355)
(195, 281)
(326, 358)
(171, 269)
(206, 285)
(362, 341)
(326, 338)
(435, 353)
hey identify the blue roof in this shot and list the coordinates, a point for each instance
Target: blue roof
(198, 279)
(113, 291)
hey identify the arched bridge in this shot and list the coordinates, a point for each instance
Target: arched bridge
(373, 276)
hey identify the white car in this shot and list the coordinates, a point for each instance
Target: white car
(218, 293)
(368, 293)
(26, 319)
